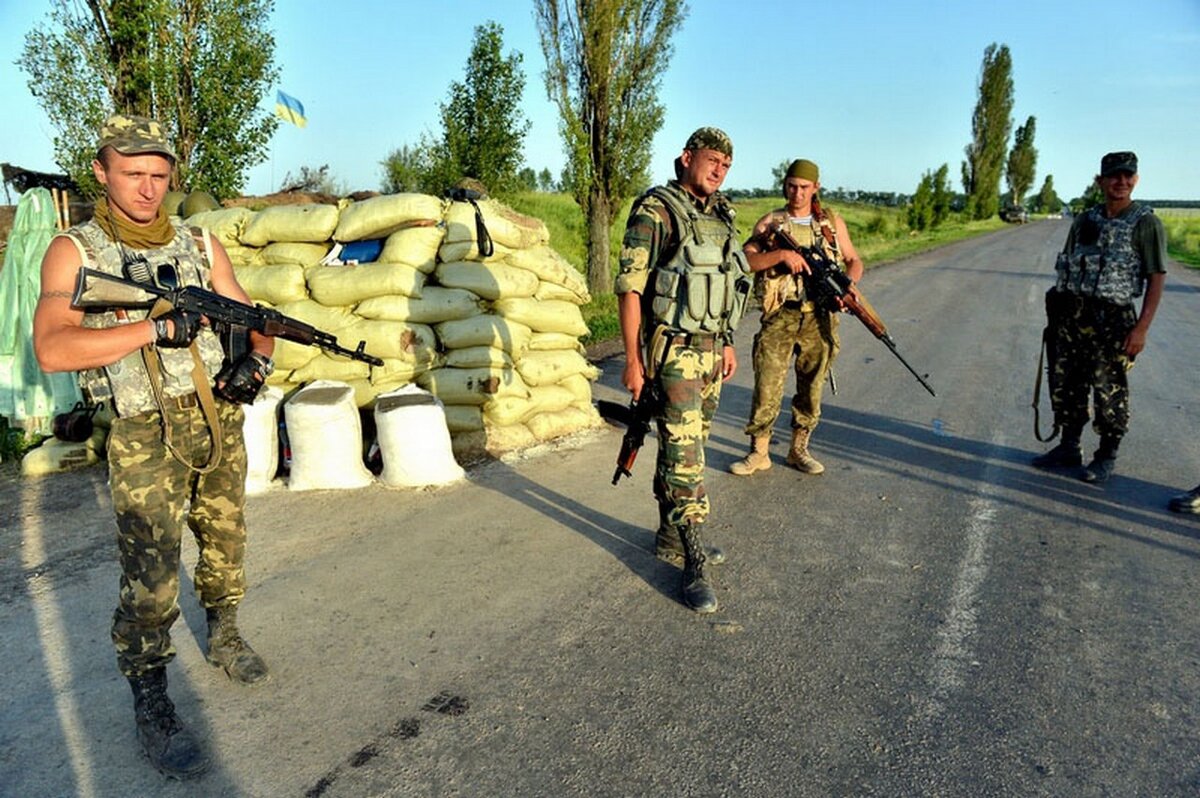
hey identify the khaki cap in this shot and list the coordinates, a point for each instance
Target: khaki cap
(134, 135)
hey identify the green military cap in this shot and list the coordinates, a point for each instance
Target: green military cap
(1115, 162)
(710, 138)
(804, 169)
(134, 135)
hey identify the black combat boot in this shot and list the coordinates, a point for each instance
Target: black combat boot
(170, 746)
(667, 546)
(1068, 453)
(698, 595)
(227, 649)
(1104, 461)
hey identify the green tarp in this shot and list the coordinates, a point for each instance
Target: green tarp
(29, 397)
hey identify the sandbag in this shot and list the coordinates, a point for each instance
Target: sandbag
(326, 367)
(260, 430)
(505, 226)
(395, 371)
(276, 285)
(463, 418)
(549, 368)
(396, 340)
(548, 316)
(55, 455)
(289, 355)
(313, 222)
(580, 388)
(490, 281)
(416, 246)
(379, 217)
(244, 256)
(323, 317)
(225, 224)
(436, 304)
(547, 426)
(414, 441)
(478, 357)
(305, 254)
(551, 267)
(484, 330)
(550, 341)
(469, 250)
(348, 285)
(472, 386)
(325, 434)
(554, 291)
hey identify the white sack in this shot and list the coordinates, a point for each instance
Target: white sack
(325, 434)
(414, 440)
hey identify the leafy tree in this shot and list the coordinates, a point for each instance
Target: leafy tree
(1022, 162)
(1092, 195)
(545, 180)
(198, 66)
(604, 61)
(312, 181)
(779, 172)
(405, 168)
(483, 129)
(942, 200)
(920, 210)
(990, 126)
(527, 179)
(1047, 200)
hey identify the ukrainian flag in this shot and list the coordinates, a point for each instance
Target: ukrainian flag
(289, 109)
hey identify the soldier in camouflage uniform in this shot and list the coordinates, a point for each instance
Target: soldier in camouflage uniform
(175, 452)
(793, 329)
(1113, 252)
(682, 285)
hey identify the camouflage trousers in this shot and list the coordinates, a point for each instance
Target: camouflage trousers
(808, 336)
(1085, 347)
(689, 380)
(154, 497)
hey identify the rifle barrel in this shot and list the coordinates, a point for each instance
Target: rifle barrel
(887, 340)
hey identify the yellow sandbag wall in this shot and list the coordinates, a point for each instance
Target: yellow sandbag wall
(496, 339)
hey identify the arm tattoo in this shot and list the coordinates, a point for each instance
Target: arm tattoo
(52, 294)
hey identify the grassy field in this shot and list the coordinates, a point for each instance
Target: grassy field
(879, 234)
(1183, 233)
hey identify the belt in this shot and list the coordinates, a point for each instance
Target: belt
(697, 340)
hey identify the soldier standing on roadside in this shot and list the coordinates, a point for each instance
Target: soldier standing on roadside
(176, 455)
(682, 285)
(792, 326)
(1113, 252)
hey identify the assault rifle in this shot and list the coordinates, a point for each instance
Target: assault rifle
(231, 319)
(831, 289)
(636, 418)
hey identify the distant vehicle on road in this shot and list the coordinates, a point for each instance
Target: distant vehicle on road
(1014, 214)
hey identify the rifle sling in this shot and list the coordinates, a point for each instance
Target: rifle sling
(203, 392)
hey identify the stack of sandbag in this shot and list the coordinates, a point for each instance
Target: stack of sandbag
(494, 336)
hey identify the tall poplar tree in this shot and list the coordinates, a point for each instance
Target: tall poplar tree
(604, 61)
(990, 126)
(201, 67)
(1022, 162)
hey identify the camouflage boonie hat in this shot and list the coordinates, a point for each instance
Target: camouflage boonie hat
(134, 135)
(710, 138)
(1118, 162)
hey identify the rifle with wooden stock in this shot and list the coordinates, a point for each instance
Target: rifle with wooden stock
(831, 289)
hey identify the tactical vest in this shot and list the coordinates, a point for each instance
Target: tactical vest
(1103, 263)
(789, 287)
(704, 286)
(126, 383)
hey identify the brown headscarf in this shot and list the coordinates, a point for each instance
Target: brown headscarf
(158, 233)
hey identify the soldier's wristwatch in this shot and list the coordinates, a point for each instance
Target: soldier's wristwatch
(266, 366)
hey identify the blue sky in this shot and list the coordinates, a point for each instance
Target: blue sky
(876, 92)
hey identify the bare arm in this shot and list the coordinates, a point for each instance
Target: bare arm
(854, 263)
(60, 340)
(761, 260)
(629, 313)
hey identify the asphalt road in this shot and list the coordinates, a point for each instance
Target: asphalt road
(930, 617)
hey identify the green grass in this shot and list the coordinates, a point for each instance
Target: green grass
(14, 444)
(879, 234)
(1183, 233)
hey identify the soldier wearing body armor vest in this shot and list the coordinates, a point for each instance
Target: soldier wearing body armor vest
(176, 456)
(793, 329)
(681, 289)
(1114, 252)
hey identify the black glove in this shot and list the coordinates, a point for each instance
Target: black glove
(240, 382)
(185, 326)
